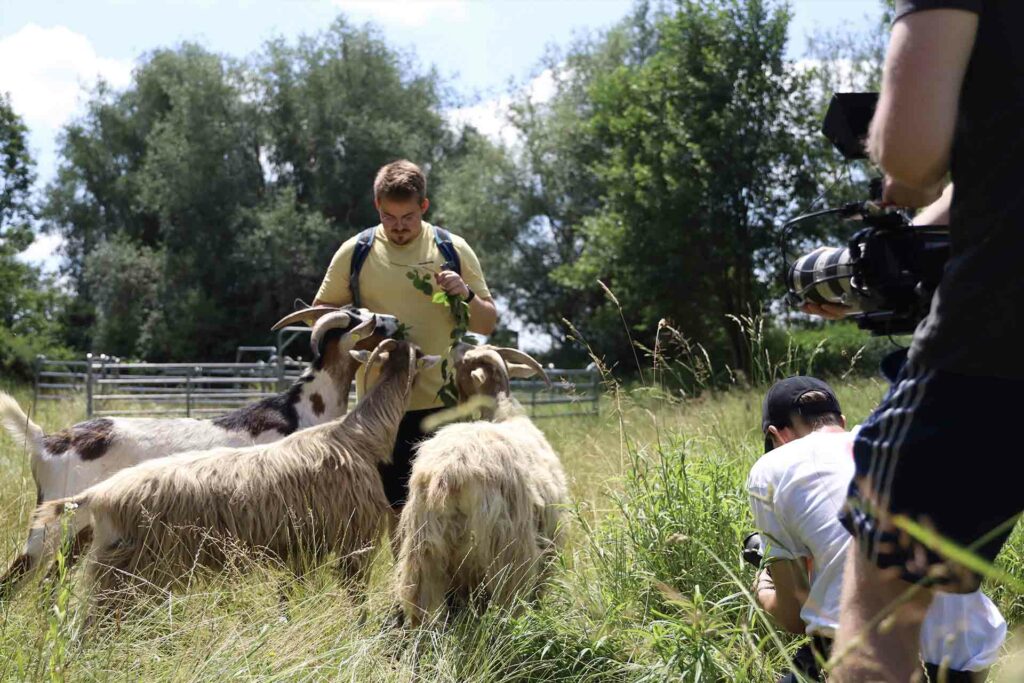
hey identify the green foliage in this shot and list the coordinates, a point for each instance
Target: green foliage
(30, 303)
(649, 588)
(232, 183)
(421, 283)
(707, 148)
(17, 176)
(336, 107)
(459, 310)
(124, 279)
(836, 350)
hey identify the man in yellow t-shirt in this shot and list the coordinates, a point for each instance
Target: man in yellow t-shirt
(403, 243)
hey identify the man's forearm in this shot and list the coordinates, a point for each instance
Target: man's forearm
(782, 592)
(483, 316)
(936, 213)
(912, 130)
(768, 597)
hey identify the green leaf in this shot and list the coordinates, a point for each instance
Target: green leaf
(440, 298)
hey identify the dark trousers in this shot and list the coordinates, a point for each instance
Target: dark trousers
(395, 476)
(953, 676)
(805, 661)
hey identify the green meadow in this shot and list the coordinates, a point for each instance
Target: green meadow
(651, 586)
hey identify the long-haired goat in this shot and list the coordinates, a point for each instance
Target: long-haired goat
(485, 500)
(315, 492)
(68, 462)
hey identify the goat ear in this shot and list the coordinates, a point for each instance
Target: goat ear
(459, 352)
(360, 356)
(363, 330)
(520, 371)
(424, 362)
(479, 376)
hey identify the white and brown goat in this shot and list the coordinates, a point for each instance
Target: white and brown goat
(315, 492)
(485, 500)
(68, 462)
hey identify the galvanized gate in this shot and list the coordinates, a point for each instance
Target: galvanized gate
(112, 387)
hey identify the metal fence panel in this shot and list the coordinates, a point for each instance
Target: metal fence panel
(114, 388)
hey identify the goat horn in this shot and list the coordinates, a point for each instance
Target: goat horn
(460, 351)
(385, 345)
(329, 321)
(412, 367)
(517, 356)
(314, 312)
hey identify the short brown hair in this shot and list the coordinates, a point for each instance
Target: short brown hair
(400, 179)
(818, 420)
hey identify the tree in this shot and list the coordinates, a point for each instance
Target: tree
(674, 146)
(523, 206)
(168, 165)
(339, 105)
(707, 150)
(29, 303)
(216, 191)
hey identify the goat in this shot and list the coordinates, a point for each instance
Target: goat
(296, 500)
(68, 462)
(485, 500)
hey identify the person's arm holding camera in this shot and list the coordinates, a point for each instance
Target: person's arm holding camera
(911, 134)
(936, 213)
(781, 590)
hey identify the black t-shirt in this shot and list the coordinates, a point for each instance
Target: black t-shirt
(976, 324)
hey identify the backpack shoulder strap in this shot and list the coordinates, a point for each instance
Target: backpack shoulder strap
(363, 245)
(443, 238)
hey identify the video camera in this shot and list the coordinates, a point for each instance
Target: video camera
(890, 268)
(753, 549)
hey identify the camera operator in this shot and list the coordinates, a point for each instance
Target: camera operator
(932, 455)
(796, 491)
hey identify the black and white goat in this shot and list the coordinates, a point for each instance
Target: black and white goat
(68, 462)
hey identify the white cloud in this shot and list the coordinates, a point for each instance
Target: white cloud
(50, 68)
(47, 72)
(44, 252)
(490, 117)
(406, 12)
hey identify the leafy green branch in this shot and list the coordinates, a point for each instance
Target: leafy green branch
(459, 310)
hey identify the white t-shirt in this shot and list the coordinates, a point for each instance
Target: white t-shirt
(796, 493)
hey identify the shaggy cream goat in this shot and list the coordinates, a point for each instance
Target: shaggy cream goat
(68, 462)
(316, 491)
(485, 499)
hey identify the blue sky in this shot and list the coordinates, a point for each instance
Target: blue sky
(50, 49)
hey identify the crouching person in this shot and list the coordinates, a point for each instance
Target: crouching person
(797, 489)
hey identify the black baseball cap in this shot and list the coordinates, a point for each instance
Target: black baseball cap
(781, 402)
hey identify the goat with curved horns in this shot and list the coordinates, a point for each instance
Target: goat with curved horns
(485, 500)
(70, 461)
(486, 370)
(315, 492)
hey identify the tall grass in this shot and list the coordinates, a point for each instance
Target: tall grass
(650, 588)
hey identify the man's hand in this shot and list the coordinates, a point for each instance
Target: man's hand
(895, 193)
(763, 582)
(452, 283)
(827, 311)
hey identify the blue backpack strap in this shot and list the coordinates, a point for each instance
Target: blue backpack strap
(363, 245)
(443, 239)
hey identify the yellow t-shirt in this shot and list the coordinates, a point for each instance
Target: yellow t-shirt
(385, 288)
